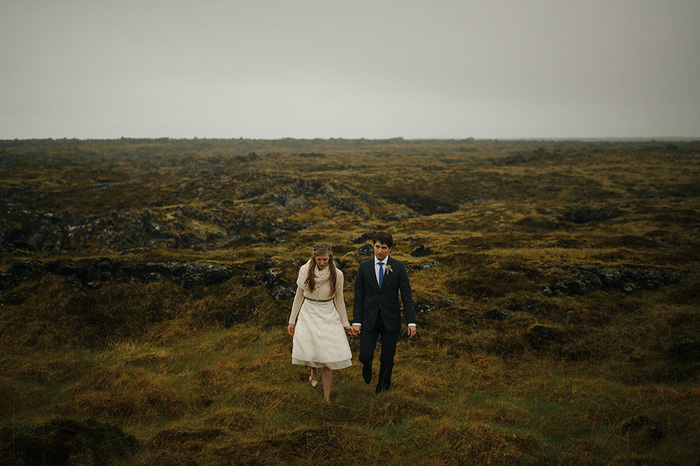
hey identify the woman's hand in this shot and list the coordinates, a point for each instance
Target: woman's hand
(290, 329)
(350, 330)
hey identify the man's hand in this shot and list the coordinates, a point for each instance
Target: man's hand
(290, 330)
(411, 331)
(356, 329)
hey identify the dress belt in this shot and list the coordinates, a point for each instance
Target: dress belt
(318, 300)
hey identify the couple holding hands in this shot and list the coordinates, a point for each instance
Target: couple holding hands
(319, 319)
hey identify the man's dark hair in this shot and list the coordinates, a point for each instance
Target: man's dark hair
(384, 237)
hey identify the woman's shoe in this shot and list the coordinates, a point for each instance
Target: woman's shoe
(312, 380)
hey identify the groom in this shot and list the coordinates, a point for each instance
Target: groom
(377, 311)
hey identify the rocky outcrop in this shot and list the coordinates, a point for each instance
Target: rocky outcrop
(422, 308)
(445, 302)
(299, 195)
(363, 238)
(421, 251)
(204, 226)
(584, 279)
(266, 275)
(64, 231)
(95, 274)
(365, 250)
(182, 227)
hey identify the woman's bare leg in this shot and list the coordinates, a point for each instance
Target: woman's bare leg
(327, 383)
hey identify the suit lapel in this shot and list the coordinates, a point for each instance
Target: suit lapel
(387, 269)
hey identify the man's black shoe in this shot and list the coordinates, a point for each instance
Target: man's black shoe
(382, 386)
(382, 382)
(367, 373)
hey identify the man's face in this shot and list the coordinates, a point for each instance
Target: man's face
(381, 250)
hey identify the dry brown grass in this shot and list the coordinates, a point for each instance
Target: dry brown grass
(203, 375)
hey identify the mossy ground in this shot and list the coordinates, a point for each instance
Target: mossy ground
(152, 372)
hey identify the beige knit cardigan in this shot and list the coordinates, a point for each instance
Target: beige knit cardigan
(321, 293)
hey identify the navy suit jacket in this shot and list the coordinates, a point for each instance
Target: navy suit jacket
(370, 300)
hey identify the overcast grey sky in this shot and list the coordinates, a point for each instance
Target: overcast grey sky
(349, 69)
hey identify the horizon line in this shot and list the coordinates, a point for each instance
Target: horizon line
(394, 138)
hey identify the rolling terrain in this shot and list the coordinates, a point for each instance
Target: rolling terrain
(145, 287)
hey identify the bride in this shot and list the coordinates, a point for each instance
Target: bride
(318, 318)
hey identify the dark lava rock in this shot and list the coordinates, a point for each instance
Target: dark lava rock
(428, 265)
(421, 251)
(272, 279)
(250, 280)
(18, 273)
(585, 279)
(93, 275)
(422, 308)
(145, 273)
(266, 264)
(365, 250)
(280, 292)
(204, 274)
(296, 197)
(365, 237)
(444, 302)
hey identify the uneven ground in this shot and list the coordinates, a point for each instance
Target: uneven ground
(146, 284)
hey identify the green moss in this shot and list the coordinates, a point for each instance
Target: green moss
(202, 375)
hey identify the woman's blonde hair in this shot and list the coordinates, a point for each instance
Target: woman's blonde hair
(321, 249)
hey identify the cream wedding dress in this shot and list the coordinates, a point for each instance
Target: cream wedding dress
(319, 335)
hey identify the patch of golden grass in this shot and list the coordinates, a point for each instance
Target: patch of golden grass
(125, 393)
(263, 397)
(235, 419)
(138, 354)
(427, 382)
(216, 378)
(472, 442)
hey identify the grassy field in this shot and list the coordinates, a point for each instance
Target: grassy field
(557, 287)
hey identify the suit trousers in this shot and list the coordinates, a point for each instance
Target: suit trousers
(368, 343)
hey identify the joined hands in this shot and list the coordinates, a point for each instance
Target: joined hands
(354, 330)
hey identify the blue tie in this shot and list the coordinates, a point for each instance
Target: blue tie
(381, 273)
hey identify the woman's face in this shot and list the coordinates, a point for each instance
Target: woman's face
(322, 261)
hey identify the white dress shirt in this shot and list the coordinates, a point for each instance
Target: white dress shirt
(376, 266)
